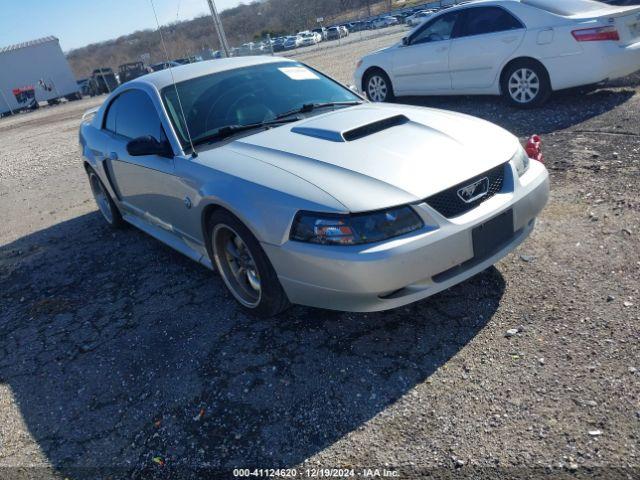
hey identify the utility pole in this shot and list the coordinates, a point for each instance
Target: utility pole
(369, 8)
(218, 24)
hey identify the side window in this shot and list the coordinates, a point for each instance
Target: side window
(481, 20)
(136, 116)
(438, 29)
(112, 113)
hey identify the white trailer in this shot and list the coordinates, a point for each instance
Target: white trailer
(39, 64)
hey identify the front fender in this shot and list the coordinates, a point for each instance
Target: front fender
(265, 198)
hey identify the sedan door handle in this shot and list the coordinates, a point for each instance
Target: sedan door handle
(509, 39)
(113, 156)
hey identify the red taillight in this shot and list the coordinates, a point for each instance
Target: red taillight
(598, 34)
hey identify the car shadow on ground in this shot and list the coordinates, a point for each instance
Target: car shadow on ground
(122, 353)
(564, 110)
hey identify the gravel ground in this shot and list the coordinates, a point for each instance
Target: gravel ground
(117, 353)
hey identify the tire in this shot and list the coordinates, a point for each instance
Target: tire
(105, 203)
(526, 84)
(378, 87)
(244, 267)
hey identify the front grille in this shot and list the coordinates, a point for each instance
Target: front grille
(449, 204)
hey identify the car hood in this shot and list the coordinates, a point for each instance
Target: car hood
(375, 155)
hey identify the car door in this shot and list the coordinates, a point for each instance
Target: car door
(486, 38)
(421, 64)
(146, 185)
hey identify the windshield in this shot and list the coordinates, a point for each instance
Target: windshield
(247, 96)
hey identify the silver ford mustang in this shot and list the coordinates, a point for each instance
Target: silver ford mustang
(296, 190)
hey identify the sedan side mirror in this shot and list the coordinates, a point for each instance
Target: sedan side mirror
(405, 41)
(148, 145)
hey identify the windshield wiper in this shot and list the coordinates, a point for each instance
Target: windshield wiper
(229, 130)
(309, 107)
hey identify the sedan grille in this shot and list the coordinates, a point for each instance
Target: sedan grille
(450, 204)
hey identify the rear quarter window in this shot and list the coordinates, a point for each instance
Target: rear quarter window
(483, 20)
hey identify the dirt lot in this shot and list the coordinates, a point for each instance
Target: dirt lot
(118, 353)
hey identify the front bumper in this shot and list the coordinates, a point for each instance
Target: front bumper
(400, 271)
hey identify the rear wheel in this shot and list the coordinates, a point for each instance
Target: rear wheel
(106, 206)
(377, 86)
(525, 84)
(244, 267)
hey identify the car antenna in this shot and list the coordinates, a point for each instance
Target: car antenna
(194, 154)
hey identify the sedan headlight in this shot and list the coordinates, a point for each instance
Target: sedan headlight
(521, 161)
(356, 229)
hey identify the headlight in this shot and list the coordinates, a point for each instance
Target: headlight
(521, 161)
(356, 229)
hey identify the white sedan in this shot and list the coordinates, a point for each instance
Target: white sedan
(384, 22)
(521, 49)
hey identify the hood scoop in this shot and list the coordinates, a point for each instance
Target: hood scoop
(352, 134)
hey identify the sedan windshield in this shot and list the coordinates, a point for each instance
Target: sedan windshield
(255, 95)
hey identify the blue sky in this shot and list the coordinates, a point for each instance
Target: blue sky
(80, 22)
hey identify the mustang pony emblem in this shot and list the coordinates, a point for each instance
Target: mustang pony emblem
(475, 191)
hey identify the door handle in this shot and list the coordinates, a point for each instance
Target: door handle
(509, 39)
(443, 49)
(113, 156)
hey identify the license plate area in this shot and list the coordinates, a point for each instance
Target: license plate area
(491, 236)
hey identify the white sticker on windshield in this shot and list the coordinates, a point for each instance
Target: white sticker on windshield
(299, 73)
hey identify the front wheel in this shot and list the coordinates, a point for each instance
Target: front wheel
(525, 84)
(244, 267)
(105, 204)
(377, 86)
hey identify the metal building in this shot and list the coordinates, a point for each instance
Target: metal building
(32, 72)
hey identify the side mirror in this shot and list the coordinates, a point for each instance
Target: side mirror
(148, 145)
(405, 41)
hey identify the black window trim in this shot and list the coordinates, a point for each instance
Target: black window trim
(465, 11)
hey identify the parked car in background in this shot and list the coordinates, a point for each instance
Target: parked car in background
(278, 44)
(302, 192)
(247, 49)
(131, 71)
(163, 65)
(308, 39)
(384, 22)
(84, 85)
(334, 33)
(103, 80)
(521, 49)
(292, 42)
(322, 32)
(417, 18)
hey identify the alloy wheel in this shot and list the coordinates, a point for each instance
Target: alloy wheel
(236, 266)
(524, 85)
(101, 198)
(377, 89)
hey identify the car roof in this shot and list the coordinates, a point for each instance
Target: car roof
(166, 77)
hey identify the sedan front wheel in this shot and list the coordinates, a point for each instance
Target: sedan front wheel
(105, 203)
(378, 87)
(244, 267)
